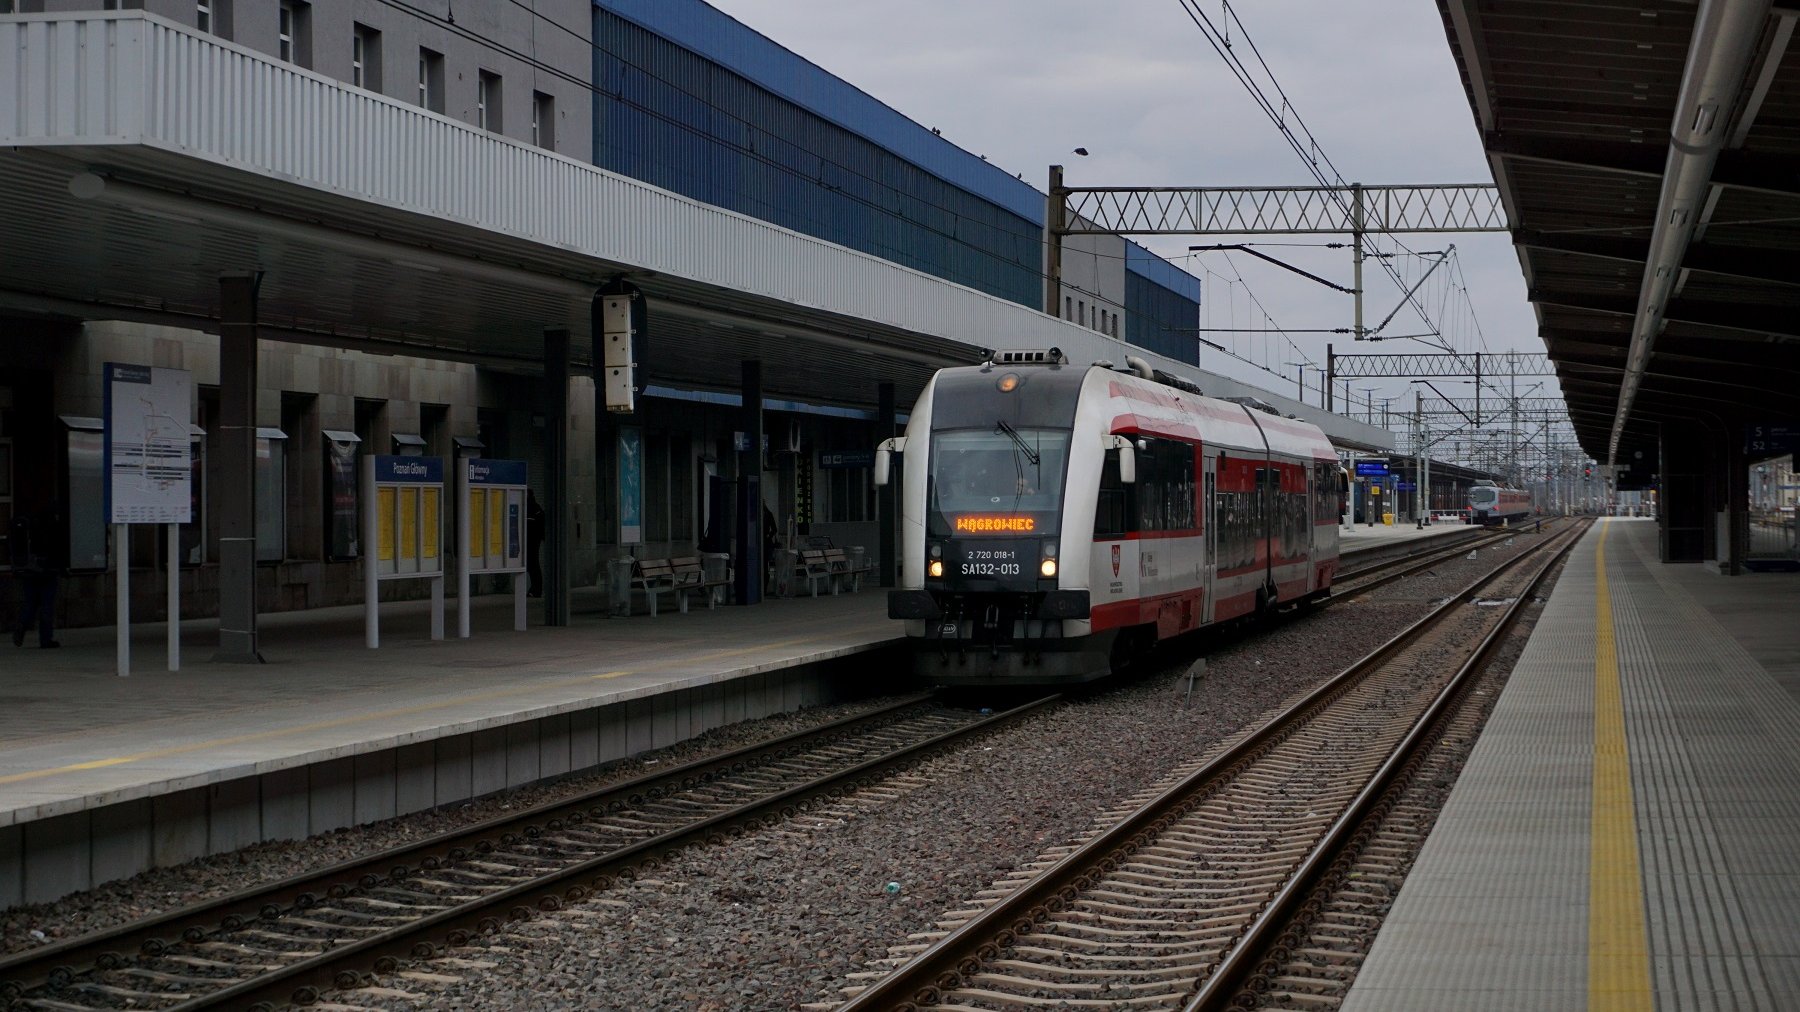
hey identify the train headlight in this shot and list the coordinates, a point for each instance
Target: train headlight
(937, 551)
(1047, 567)
(937, 568)
(1050, 550)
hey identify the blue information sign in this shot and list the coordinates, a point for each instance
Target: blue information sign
(847, 458)
(1771, 438)
(487, 471)
(1371, 469)
(426, 470)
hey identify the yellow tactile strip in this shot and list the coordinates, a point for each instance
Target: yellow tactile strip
(1618, 949)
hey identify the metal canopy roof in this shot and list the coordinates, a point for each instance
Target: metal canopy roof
(1648, 152)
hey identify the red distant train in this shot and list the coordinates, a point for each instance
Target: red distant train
(1495, 504)
(1058, 519)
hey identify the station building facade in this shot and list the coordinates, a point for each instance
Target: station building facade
(671, 92)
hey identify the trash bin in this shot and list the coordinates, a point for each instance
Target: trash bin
(715, 569)
(859, 557)
(618, 585)
(786, 561)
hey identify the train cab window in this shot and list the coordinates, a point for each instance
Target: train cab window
(1114, 504)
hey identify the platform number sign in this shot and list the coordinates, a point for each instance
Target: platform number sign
(1771, 438)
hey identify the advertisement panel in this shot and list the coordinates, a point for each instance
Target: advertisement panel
(631, 487)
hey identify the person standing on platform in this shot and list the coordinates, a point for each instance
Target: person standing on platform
(534, 540)
(770, 539)
(33, 542)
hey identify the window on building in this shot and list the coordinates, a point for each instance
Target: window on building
(270, 475)
(1081, 312)
(6, 488)
(1068, 307)
(431, 80)
(1115, 325)
(212, 16)
(543, 120)
(294, 32)
(487, 101)
(365, 57)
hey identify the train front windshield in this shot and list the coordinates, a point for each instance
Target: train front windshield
(996, 481)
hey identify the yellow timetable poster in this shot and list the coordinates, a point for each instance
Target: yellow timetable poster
(477, 524)
(496, 522)
(409, 523)
(384, 524)
(432, 529)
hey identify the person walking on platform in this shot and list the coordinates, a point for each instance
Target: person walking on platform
(33, 543)
(534, 540)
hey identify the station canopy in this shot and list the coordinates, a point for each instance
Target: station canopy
(1648, 154)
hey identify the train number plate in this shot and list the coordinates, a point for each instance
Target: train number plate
(990, 562)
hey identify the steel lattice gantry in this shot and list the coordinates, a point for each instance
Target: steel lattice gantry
(1239, 210)
(1354, 210)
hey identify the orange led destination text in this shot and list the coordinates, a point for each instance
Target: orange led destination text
(987, 523)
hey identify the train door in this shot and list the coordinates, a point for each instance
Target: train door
(1209, 562)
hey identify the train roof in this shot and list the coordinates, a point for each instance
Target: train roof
(1156, 402)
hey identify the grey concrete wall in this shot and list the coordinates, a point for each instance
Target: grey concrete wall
(50, 858)
(337, 379)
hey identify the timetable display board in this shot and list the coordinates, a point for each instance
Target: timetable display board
(409, 492)
(496, 515)
(149, 471)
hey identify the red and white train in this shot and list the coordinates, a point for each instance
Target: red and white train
(1496, 504)
(1057, 519)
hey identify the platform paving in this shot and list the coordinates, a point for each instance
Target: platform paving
(1519, 898)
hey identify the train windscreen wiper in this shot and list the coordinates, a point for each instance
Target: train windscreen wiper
(1018, 441)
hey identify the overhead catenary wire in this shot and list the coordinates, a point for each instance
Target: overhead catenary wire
(1311, 153)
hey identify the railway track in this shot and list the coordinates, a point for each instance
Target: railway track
(287, 941)
(1183, 901)
(1366, 578)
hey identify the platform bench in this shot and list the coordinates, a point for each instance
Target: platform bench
(689, 574)
(844, 565)
(813, 566)
(654, 578)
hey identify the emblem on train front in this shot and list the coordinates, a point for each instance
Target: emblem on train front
(1115, 561)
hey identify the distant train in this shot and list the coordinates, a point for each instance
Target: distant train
(1057, 519)
(1495, 504)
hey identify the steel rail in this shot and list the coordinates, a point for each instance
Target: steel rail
(948, 961)
(300, 981)
(1415, 563)
(35, 967)
(32, 967)
(1227, 978)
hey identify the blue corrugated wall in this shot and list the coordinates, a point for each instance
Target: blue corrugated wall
(1161, 320)
(693, 101)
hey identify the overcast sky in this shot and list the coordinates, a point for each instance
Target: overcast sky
(1135, 82)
